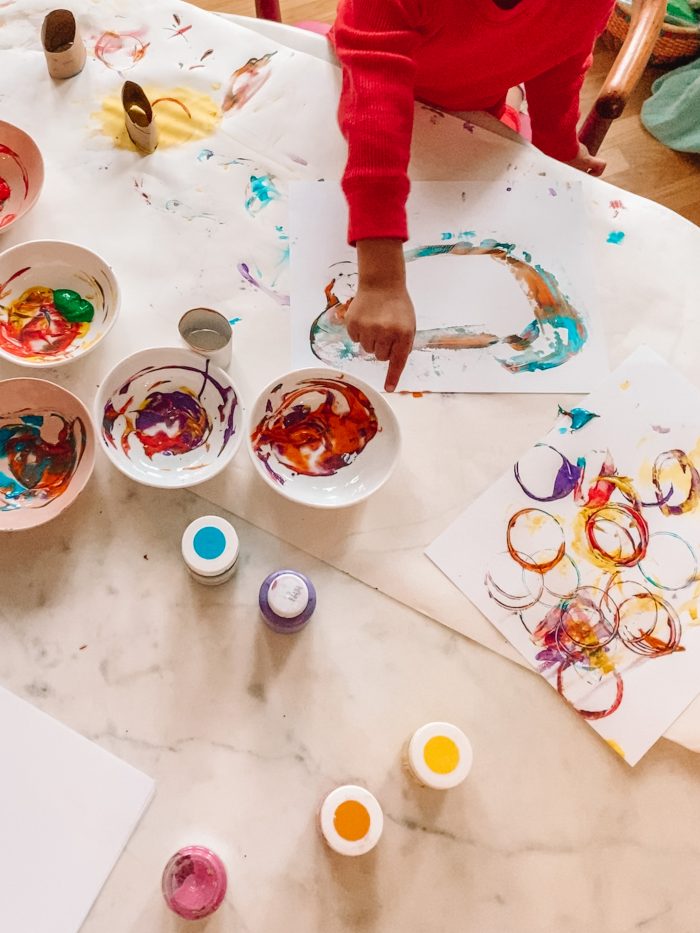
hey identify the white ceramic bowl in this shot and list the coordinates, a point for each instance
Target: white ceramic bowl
(47, 451)
(167, 417)
(323, 438)
(21, 174)
(33, 332)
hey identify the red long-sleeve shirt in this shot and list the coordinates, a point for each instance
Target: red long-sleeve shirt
(457, 55)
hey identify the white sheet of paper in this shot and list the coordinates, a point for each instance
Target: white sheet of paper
(486, 263)
(576, 622)
(67, 810)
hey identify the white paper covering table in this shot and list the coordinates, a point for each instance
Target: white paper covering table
(176, 228)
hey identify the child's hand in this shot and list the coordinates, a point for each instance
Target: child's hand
(587, 163)
(382, 320)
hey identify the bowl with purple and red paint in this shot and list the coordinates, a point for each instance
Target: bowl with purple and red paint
(47, 451)
(323, 438)
(21, 174)
(57, 302)
(169, 418)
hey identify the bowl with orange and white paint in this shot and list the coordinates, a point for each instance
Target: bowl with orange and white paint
(323, 438)
(57, 302)
(21, 174)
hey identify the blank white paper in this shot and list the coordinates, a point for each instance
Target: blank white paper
(67, 810)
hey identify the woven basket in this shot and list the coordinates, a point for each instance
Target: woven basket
(676, 44)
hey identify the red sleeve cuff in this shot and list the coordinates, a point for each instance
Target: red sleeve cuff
(377, 208)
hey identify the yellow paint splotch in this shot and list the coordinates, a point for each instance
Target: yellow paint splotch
(615, 747)
(181, 114)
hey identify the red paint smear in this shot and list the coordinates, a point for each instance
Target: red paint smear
(172, 100)
(320, 440)
(5, 150)
(35, 328)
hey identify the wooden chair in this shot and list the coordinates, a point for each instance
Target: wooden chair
(627, 69)
(268, 9)
(645, 26)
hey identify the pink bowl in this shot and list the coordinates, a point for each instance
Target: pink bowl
(47, 451)
(21, 174)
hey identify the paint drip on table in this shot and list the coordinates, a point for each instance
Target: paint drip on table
(45, 323)
(40, 452)
(557, 332)
(156, 413)
(316, 429)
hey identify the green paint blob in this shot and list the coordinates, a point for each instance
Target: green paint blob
(72, 306)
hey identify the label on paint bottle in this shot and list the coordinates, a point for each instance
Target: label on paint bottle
(439, 755)
(351, 820)
(210, 549)
(287, 600)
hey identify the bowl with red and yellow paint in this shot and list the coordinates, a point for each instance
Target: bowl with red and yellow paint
(168, 417)
(21, 174)
(57, 302)
(47, 451)
(323, 438)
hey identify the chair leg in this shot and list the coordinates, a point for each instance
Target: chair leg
(645, 25)
(268, 9)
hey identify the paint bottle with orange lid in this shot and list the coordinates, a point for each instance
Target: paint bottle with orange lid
(351, 820)
(439, 755)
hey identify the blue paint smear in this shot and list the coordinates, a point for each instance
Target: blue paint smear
(11, 489)
(579, 418)
(35, 420)
(204, 155)
(616, 236)
(234, 320)
(262, 192)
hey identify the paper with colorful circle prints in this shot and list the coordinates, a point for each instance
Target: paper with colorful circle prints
(586, 555)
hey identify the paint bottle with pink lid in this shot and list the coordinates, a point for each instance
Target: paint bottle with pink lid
(287, 601)
(194, 883)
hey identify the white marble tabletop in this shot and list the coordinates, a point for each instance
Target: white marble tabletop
(245, 731)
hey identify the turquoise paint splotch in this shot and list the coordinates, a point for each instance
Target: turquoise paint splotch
(579, 418)
(615, 237)
(234, 320)
(204, 155)
(260, 192)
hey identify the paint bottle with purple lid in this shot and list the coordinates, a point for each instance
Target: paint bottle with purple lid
(194, 883)
(287, 601)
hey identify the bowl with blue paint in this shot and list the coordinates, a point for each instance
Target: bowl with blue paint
(168, 417)
(323, 438)
(47, 451)
(58, 301)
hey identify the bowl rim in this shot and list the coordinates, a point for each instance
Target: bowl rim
(32, 143)
(376, 398)
(92, 448)
(53, 364)
(234, 443)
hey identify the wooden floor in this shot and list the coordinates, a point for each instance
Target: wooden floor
(636, 161)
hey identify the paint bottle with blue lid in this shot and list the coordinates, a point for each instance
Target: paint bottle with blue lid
(210, 550)
(287, 601)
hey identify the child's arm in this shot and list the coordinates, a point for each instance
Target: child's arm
(553, 104)
(375, 42)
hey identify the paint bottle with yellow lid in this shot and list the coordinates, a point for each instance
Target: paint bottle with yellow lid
(351, 820)
(439, 755)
